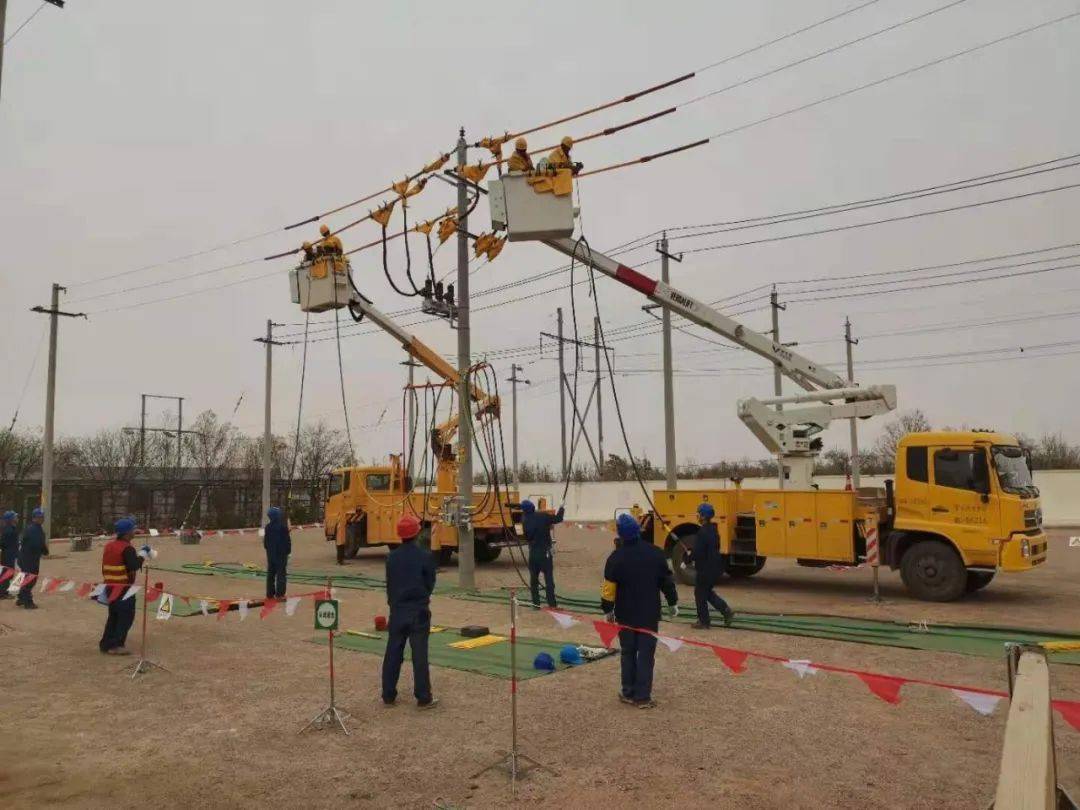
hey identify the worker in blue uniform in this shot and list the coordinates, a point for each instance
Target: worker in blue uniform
(536, 526)
(9, 547)
(410, 580)
(708, 566)
(635, 575)
(278, 545)
(32, 547)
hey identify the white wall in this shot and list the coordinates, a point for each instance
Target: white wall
(1060, 491)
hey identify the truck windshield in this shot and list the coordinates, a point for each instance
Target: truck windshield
(1013, 472)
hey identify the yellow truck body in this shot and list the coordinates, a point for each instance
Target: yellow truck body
(962, 507)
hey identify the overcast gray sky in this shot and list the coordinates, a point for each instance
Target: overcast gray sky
(135, 132)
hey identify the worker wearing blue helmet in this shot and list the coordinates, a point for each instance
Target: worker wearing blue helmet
(708, 565)
(32, 547)
(536, 526)
(278, 544)
(635, 575)
(9, 546)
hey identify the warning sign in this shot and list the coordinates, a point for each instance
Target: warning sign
(326, 614)
(1074, 542)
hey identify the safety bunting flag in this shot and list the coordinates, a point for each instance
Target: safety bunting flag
(103, 592)
(886, 687)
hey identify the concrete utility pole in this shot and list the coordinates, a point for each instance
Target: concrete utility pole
(854, 428)
(466, 558)
(562, 393)
(669, 383)
(778, 386)
(599, 409)
(411, 412)
(514, 369)
(54, 314)
(268, 436)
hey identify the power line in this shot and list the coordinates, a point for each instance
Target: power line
(24, 23)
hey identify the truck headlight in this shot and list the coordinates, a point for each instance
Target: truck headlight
(1025, 548)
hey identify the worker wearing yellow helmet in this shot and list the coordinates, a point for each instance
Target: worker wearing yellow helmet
(520, 160)
(559, 158)
(309, 251)
(329, 244)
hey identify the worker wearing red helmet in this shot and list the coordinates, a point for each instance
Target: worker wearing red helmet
(410, 580)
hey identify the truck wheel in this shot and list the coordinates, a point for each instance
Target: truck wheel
(681, 566)
(483, 551)
(933, 571)
(977, 580)
(443, 555)
(743, 570)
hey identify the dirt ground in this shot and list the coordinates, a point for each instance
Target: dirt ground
(219, 729)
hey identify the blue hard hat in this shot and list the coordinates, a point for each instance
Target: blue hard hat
(627, 526)
(274, 513)
(124, 526)
(9, 515)
(544, 661)
(570, 655)
(705, 510)
(38, 513)
(528, 507)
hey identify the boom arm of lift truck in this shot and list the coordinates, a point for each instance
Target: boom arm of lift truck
(789, 432)
(485, 403)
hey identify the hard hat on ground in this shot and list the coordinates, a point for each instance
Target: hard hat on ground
(124, 527)
(38, 513)
(544, 661)
(521, 144)
(570, 655)
(627, 527)
(705, 511)
(274, 513)
(528, 507)
(567, 142)
(324, 230)
(408, 527)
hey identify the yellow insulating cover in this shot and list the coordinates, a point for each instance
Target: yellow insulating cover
(482, 243)
(495, 249)
(475, 174)
(417, 187)
(382, 215)
(400, 186)
(319, 268)
(560, 183)
(479, 641)
(447, 228)
(424, 227)
(436, 164)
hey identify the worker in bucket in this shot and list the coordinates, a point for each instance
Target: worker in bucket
(329, 244)
(635, 575)
(119, 564)
(9, 547)
(559, 157)
(278, 545)
(410, 579)
(708, 566)
(520, 161)
(32, 547)
(536, 526)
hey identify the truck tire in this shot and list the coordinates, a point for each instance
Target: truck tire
(977, 580)
(443, 555)
(483, 551)
(933, 572)
(681, 567)
(743, 570)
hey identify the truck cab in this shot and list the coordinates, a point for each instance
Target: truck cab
(963, 507)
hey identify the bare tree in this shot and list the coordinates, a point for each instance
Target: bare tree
(913, 421)
(110, 458)
(213, 446)
(251, 457)
(20, 455)
(321, 449)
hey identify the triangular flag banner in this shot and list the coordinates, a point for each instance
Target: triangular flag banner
(204, 606)
(69, 585)
(802, 666)
(564, 620)
(16, 582)
(153, 593)
(6, 574)
(28, 579)
(243, 609)
(981, 702)
(735, 660)
(98, 590)
(54, 585)
(45, 583)
(116, 591)
(268, 608)
(165, 607)
(83, 590)
(1069, 711)
(607, 632)
(885, 687)
(131, 591)
(673, 644)
(223, 608)
(291, 604)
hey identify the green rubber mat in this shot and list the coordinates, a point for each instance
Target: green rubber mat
(983, 641)
(492, 660)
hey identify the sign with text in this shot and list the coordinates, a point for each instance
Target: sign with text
(326, 614)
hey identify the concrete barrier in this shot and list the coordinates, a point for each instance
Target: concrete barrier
(598, 500)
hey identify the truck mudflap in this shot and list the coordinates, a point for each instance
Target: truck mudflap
(1022, 552)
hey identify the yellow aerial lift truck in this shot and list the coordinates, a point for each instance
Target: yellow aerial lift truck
(961, 507)
(363, 504)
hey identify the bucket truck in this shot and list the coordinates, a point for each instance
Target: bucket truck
(961, 507)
